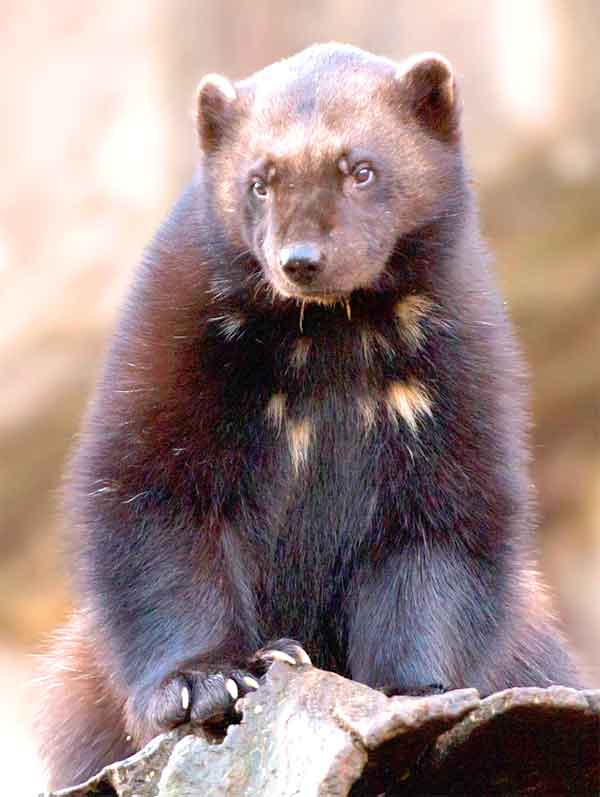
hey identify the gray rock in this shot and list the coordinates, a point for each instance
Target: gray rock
(309, 733)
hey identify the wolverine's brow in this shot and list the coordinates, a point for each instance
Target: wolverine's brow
(263, 167)
(354, 155)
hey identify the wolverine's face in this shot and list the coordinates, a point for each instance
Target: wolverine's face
(326, 163)
(318, 215)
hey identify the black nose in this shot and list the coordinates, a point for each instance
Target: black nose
(301, 262)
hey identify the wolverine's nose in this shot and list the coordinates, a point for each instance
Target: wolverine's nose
(301, 262)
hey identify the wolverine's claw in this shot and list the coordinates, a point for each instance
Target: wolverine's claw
(279, 655)
(232, 688)
(185, 698)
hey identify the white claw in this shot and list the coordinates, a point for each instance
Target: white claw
(303, 656)
(185, 698)
(279, 655)
(232, 688)
(250, 681)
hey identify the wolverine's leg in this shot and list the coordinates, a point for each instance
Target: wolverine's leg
(79, 718)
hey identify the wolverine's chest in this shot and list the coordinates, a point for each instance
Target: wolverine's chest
(318, 414)
(338, 430)
(320, 430)
(325, 365)
(320, 395)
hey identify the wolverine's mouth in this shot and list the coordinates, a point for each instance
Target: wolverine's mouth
(288, 290)
(302, 297)
(324, 298)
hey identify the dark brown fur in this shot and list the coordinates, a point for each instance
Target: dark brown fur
(311, 424)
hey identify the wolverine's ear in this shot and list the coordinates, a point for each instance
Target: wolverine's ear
(216, 98)
(429, 88)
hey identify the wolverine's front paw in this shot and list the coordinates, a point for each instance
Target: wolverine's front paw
(201, 698)
(286, 650)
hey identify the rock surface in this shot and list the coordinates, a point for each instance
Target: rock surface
(307, 732)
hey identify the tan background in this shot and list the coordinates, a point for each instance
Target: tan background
(96, 141)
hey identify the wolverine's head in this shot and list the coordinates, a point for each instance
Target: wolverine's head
(319, 164)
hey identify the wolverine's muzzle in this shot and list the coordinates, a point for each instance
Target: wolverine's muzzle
(302, 263)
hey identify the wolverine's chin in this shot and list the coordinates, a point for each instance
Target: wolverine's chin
(318, 297)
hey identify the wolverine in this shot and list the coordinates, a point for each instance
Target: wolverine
(309, 438)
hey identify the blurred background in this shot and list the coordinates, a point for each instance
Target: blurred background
(97, 141)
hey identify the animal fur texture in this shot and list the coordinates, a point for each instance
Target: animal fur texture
(311, 425)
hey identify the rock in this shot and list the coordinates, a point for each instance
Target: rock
(521, 741)
(307, 732)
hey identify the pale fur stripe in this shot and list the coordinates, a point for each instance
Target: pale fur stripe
(300, 435)
(409, 401)
(300, 352)
(370, 341)
(276, 410)
(410, 312)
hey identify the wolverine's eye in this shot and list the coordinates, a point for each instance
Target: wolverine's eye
(363, 175)
(259, 188)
